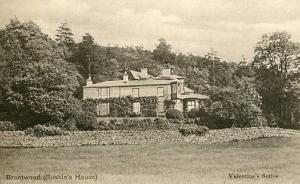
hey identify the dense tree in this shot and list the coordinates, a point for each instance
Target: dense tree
(83, 56)
(237, 106)
(276, 67)
(163, 52)
(64, 37)
(38, 85)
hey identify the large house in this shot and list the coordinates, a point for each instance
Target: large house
(166, 87)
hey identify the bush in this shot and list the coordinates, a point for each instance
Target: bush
(193, 113)
(70, 124)
(198, 113)
(150, 113)
(193, 130)
(174, 114)
(176, 121)
(135, 114)
(43, 130)
(164, 124)
(135, 124)
(122, 106)
(86, 121)
(7, 126)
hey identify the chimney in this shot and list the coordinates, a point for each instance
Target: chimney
(144, 73)
(166, 71)
(89, 81)
(125, 77)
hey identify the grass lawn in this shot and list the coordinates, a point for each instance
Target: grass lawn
(159, 163)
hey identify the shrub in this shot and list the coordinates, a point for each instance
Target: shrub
(169, 104)
(150, 113)
(193, 113)
(174, 114)
(7, 126)
(86, 121)
(70, 124)
(43, 130)
(135, 124)
(164, 124)
(176, 121)
(238, 106)
(193, 130)
(135, 114)
(122, 106)
(198, 113)
(148, 105)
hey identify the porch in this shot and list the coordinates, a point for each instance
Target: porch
(185, 103)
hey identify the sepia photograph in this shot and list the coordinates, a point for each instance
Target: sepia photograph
(149, 92)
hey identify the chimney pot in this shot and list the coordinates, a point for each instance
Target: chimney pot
(166, 71)
(144, 73)
(89, 81)
(125, 77)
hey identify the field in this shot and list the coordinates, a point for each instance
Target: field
(159, 163)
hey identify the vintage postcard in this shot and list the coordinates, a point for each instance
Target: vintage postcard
(153, 92)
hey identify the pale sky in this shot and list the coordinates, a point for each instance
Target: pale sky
(231, 27)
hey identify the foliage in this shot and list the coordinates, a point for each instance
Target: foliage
(7, 126)
(140, 124)
(38, 85)
(237, 107)
(83, 57)
(174, 114)
(176, 121)
(276, 63)
(135, 114)
(86, 121)
(193, 130)
(163, 52)
(169, 104)
(70, 124)
(122, 106)
(198, 113)
(64, 38)
(43, 130)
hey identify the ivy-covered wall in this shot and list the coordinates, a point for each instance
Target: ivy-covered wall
(123, 106)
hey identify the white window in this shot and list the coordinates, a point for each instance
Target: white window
(190, 105)
(103, 109)
(136, 107)
(104, 92)
(160, 91)
(135, 92)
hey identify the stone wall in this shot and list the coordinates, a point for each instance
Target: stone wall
(80, 138)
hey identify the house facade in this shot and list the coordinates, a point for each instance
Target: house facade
(167, 87)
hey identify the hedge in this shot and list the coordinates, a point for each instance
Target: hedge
(123, 106)
(174, 114)
(7, 126)
(193, 130)
(43, 130)
(131, 124)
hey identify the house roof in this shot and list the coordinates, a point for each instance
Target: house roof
(119, 83)
(192, 96)
(188, 90)
(172, 77)
(138, 75)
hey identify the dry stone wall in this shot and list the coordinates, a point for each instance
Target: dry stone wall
(80, 138)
